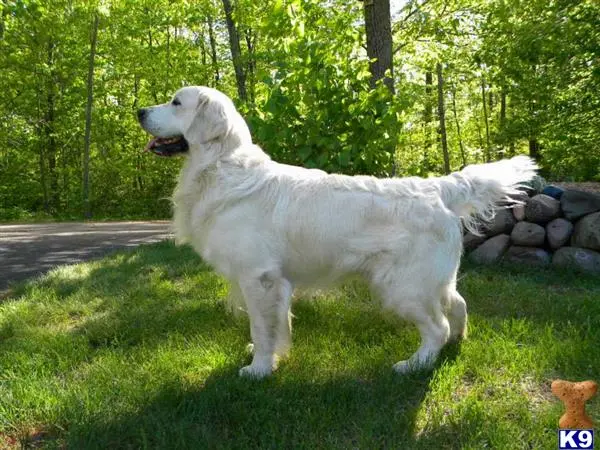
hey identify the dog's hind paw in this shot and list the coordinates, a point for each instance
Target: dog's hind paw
(256, 372)
(408, 366)
(403, 367)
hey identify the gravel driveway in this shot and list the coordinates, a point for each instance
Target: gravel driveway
(29, 250)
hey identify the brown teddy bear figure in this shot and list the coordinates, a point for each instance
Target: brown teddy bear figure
(574, 396)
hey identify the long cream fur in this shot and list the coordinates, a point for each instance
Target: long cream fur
(270, 227)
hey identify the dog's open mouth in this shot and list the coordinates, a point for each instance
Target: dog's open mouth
(167, 146)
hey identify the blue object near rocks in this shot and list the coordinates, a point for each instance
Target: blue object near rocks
(553, 191)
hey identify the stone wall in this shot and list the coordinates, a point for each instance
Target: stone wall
(558, 227)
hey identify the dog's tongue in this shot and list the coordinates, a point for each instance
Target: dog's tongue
(151, 143)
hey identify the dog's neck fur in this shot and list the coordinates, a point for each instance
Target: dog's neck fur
(200, 171)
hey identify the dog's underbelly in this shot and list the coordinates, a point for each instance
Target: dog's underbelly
(311, 270)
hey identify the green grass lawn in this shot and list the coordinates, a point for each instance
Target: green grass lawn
(138, 351)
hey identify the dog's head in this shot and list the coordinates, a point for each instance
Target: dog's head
(196, 116)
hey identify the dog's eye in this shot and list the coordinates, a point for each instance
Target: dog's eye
(176, 102)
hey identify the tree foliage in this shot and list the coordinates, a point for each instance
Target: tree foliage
(517, 77)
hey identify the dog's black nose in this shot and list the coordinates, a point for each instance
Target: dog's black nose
(141, 114)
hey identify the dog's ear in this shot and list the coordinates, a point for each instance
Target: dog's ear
(202, 101)
(210, 121)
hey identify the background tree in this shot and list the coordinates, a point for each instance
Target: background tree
(236, 52)
(378, 30)
(517, 78)
(88, 117)
(442, 117)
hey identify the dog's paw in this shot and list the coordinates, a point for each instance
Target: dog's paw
(409, 366)
(459, 335)
(256, 372)
(403, 367)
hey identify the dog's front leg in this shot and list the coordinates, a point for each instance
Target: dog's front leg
(266, 295)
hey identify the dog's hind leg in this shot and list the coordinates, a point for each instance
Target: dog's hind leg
(457, 315)
(435, 331)
(422, 306)
(283, 340)
(265, 296)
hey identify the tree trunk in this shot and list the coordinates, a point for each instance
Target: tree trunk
(251, 65)
(460, 142)
(534, 148)
(378, 28)
(236, 53)
(152, 83)
(213, 51)
(51, 147)
(479, 135)
(139, 180)
(427, 118)
(502, 120)
(65, 163)
(136, 87)
(488, 155)
(87, 213)
(42, 161)
(3, 14)
(202, 45)
(502, 108)
(442, 117)
(167, 88)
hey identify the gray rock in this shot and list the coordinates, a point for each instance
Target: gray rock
(558, 231)
(577, 258)
(542, 209)
(472, 241)
(587, 232)
(528, 234)
(576, 204)
(503, 222)
(528, 255)
(519, 212)
(491, 250)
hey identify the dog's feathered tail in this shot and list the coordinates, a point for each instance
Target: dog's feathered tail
(474, 192)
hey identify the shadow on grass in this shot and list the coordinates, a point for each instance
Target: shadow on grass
(228, 411)
(119, 270)
(134, 296)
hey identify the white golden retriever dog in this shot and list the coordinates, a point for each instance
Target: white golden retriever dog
(270, 227)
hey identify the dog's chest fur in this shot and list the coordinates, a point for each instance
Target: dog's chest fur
(190, 203)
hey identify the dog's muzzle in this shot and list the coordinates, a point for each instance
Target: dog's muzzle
(163, 146)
